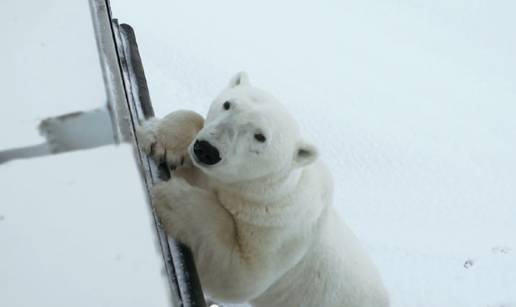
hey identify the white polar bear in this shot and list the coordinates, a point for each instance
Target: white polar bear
(255, 206)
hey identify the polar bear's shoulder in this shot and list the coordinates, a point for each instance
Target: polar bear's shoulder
(317, 178)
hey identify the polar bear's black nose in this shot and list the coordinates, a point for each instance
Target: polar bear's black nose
(206, 153)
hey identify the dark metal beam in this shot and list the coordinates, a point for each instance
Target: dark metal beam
(129, 101)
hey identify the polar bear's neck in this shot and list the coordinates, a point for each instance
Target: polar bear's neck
(268, 198)
(266, 189)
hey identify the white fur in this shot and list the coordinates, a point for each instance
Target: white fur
(260, 222)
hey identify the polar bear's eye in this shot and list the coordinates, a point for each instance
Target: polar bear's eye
(259, 137)
(226, 105)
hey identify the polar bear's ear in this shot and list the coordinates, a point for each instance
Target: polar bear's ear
(240, 78)
(305, 154)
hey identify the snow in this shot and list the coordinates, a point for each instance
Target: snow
(75, 229)
(49, 66)
(411, 102)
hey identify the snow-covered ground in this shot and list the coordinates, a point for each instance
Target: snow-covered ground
(411, 102)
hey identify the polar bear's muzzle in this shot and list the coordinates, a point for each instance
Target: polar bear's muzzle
(206, 153)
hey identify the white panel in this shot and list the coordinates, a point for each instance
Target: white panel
(48, 65)
(75, 230)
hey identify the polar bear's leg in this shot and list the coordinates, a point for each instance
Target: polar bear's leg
(195, 217)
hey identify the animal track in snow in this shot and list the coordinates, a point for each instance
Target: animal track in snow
(501, 250)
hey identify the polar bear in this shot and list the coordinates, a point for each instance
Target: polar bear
(253, 202)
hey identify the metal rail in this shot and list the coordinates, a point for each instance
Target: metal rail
(130, 103)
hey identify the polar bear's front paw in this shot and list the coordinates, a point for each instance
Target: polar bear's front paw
(167, 140)
(148, 140)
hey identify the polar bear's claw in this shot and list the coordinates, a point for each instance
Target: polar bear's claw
(152, 149)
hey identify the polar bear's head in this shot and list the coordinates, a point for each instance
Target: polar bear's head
(247, 135)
